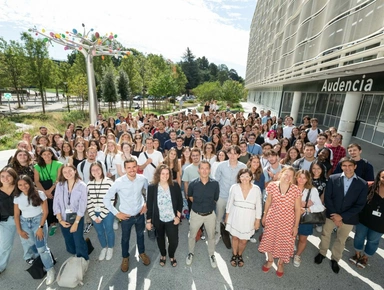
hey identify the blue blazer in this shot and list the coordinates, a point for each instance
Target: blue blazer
(350, 205)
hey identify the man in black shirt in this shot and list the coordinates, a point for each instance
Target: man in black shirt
(204, 193)
(188, 138)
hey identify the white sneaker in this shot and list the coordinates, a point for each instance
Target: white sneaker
(50, 276)
(212, 259)
(102, 254)
(296, 261)
(109, 254)
(189, 259)
(253, 239)
(319, 229)
(217, 239)
(115, 225)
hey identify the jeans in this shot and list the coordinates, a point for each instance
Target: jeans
(33, 247)
(105, 232)
(172, 232)
(373, 239)
(126, 226)
(74, 242)
(7, 235)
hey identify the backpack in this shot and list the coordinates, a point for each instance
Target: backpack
(72, 272)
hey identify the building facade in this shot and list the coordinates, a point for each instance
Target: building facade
(322, 58)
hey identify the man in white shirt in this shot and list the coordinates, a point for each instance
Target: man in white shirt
(313, 131)
(149, 160)
(224, 121)
(287, 130)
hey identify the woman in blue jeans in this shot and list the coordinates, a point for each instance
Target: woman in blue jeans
(69, 206)
(371, 226)
(8, 178)
(101, 217)
(31, 211)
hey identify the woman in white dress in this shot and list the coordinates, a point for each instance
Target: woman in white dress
(243, 214)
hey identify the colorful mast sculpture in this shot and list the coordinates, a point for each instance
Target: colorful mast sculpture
(90, 45)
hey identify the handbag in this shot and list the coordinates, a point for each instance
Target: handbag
(225, 236)
(71, 273)
(37, 270)
(71, 217)
(317, 218)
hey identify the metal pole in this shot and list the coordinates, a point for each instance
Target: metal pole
(92, 97)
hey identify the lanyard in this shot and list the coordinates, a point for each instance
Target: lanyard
(97, 192)
(69, 194)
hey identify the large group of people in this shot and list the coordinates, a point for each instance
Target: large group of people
(254, 173)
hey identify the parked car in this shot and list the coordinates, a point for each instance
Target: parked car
(137, 98)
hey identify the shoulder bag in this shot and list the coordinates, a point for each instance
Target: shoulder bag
(317, 218)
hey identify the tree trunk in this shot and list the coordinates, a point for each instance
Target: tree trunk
(42, 98)
(122, 104)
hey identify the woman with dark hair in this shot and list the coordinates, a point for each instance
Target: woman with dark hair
(101, 217)
(8, 178)
(66, 153)
(95, 134)
(21, 162)
(235, 139)
(243, 214)
(324, 156)
(304, 183)
(173, 163)
(299, 145)
(295, 134)
(138, 147)
(254, 164)
(100, 154)
(164, 205)
(55, 138)
(69, 206)
(216, 141)
(371, 223)
(31, 211)
(46, 175)
(78, 153)
(284, 147)
(303, 136)
(209, 153)
(292, 155)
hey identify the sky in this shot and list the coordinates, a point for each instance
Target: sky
(216, 29)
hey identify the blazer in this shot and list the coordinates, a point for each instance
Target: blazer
(152, 207)
(350, 205)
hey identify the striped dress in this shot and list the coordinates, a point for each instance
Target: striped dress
(277, 237)
(96, 192)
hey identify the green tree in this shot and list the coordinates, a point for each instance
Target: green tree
(108, 86)
(213, 72)
(208, 91)
(37, 53)
(222, 74)
(78, 86)
(65, 73)
(233, 91)
(123, 87)
(203, 65)
(13, 65)
(190, 69)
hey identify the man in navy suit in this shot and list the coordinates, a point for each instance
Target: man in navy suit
(344, 198)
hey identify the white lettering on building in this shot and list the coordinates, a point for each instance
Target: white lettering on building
(347, 86)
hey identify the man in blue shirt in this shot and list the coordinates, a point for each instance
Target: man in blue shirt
(161, 134)
(129, 189)
(253, 147)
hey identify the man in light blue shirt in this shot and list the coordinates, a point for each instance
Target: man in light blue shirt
(129, 189)
(226, 175)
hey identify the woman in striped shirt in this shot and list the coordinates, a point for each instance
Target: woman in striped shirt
(101, 217)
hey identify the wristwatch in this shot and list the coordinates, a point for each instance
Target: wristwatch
(40, 227)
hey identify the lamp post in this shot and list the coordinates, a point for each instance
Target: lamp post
(144, 92)
(66, 94)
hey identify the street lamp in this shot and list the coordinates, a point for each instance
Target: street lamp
(66, 90)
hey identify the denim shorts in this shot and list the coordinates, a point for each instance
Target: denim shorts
(305, 229)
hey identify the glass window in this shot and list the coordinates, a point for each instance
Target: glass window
(378, 137)
(368, 132)
(310, 104)
(375, 109)
(322, 102)
(287, 102)
(365, 105)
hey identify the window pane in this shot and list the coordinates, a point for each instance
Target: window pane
(375, 109)
(368, 133)
(364, 111)
(378, 137)
(322, 101)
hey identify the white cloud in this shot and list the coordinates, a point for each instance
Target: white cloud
(165, 27)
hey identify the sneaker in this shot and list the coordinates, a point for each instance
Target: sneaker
(125, 265)
(213, 261)
(354, 259)
(253, 239)
(115, 225)
(87, 228)
(296, 261)
(217, 239)
(189, 259)
(52, 231)
(109, 254)
(30, 261)
(102, 254)
(50, 276)
(145, 259)
(319, 229)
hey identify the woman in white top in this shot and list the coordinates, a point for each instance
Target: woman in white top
(31, 211)
(304, 182)
(243, 214)
(66, 153)
(209, 153)
(101, 217)
(112, 159)
(220, 157)
(125, 155)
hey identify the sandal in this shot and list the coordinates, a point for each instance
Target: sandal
(265, 267)
(163, 260)
(173, 262)
(234, 260)
(280, 274)
(240, 261)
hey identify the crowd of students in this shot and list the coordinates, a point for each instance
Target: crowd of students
(249, 171)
